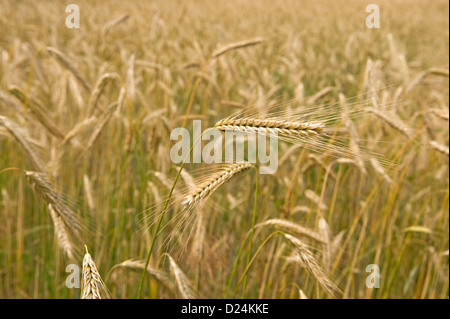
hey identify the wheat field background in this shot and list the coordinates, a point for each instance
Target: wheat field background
(92, 108)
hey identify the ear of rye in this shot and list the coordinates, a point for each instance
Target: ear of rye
(313, 266)
(93, 285)
(183, 283)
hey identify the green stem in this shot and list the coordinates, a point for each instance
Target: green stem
(236, 263)
(252, 233)
(11, 169)
(253, 259)
(158, 227)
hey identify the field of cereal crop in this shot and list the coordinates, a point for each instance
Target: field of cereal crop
(360, 117)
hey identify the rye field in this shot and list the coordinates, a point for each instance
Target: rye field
(90, 194)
